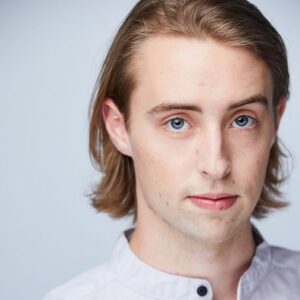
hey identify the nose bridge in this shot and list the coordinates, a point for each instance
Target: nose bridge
(214, 160)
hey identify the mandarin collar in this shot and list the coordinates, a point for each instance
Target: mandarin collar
(154, 283)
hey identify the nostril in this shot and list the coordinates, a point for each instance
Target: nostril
(216, 169)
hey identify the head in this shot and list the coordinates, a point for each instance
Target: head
(233, 29)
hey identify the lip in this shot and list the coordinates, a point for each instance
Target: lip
(211, 196)
(214, 202)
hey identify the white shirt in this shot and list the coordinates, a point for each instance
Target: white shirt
(274, 274)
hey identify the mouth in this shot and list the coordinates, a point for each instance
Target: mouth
(215, 202)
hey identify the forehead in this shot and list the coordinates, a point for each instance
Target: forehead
(176, 67)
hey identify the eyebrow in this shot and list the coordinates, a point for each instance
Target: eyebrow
(165, 107)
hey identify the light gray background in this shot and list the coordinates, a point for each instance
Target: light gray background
(50, 55)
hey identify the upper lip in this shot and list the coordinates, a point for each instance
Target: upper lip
(216, 196)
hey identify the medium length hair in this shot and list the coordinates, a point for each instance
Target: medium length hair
(231, 22)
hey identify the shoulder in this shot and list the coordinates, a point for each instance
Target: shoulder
(84, 284)
(101, 282)
(281, 273)
(286, 260)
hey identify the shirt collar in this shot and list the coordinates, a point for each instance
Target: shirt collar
(144, 279)
(259, 268)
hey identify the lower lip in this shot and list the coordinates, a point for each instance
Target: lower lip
(215, 205)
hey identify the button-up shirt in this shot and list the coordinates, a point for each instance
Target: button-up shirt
(274, 274)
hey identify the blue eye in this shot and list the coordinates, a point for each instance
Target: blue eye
(177, 124)
(244, 122)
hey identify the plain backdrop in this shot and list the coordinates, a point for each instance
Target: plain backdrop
(50, 56)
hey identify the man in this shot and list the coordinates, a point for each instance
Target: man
(184, 127)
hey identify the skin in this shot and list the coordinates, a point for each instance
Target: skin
(181, 152)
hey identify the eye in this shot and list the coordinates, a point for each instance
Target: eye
(177, 124)
(244, 122)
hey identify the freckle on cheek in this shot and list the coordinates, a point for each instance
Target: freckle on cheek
(233, 181)
(229, 221)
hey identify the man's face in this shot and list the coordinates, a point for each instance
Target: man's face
(201, 125)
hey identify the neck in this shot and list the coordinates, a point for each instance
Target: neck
(222, 264)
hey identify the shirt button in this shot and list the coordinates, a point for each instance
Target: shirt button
(202, 291)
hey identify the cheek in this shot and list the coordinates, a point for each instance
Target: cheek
(249, 167)
(160, 161)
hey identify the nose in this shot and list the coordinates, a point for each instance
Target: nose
(214, 161)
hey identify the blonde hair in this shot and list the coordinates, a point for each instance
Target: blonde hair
(232, 22)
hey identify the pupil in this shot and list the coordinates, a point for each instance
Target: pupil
(177, 123)
(242, 120)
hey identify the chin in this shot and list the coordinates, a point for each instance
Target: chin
(213, 231)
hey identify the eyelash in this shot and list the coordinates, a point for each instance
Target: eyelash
(186, 121)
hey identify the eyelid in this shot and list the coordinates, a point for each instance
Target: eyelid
(245, 112)
(177, 116)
